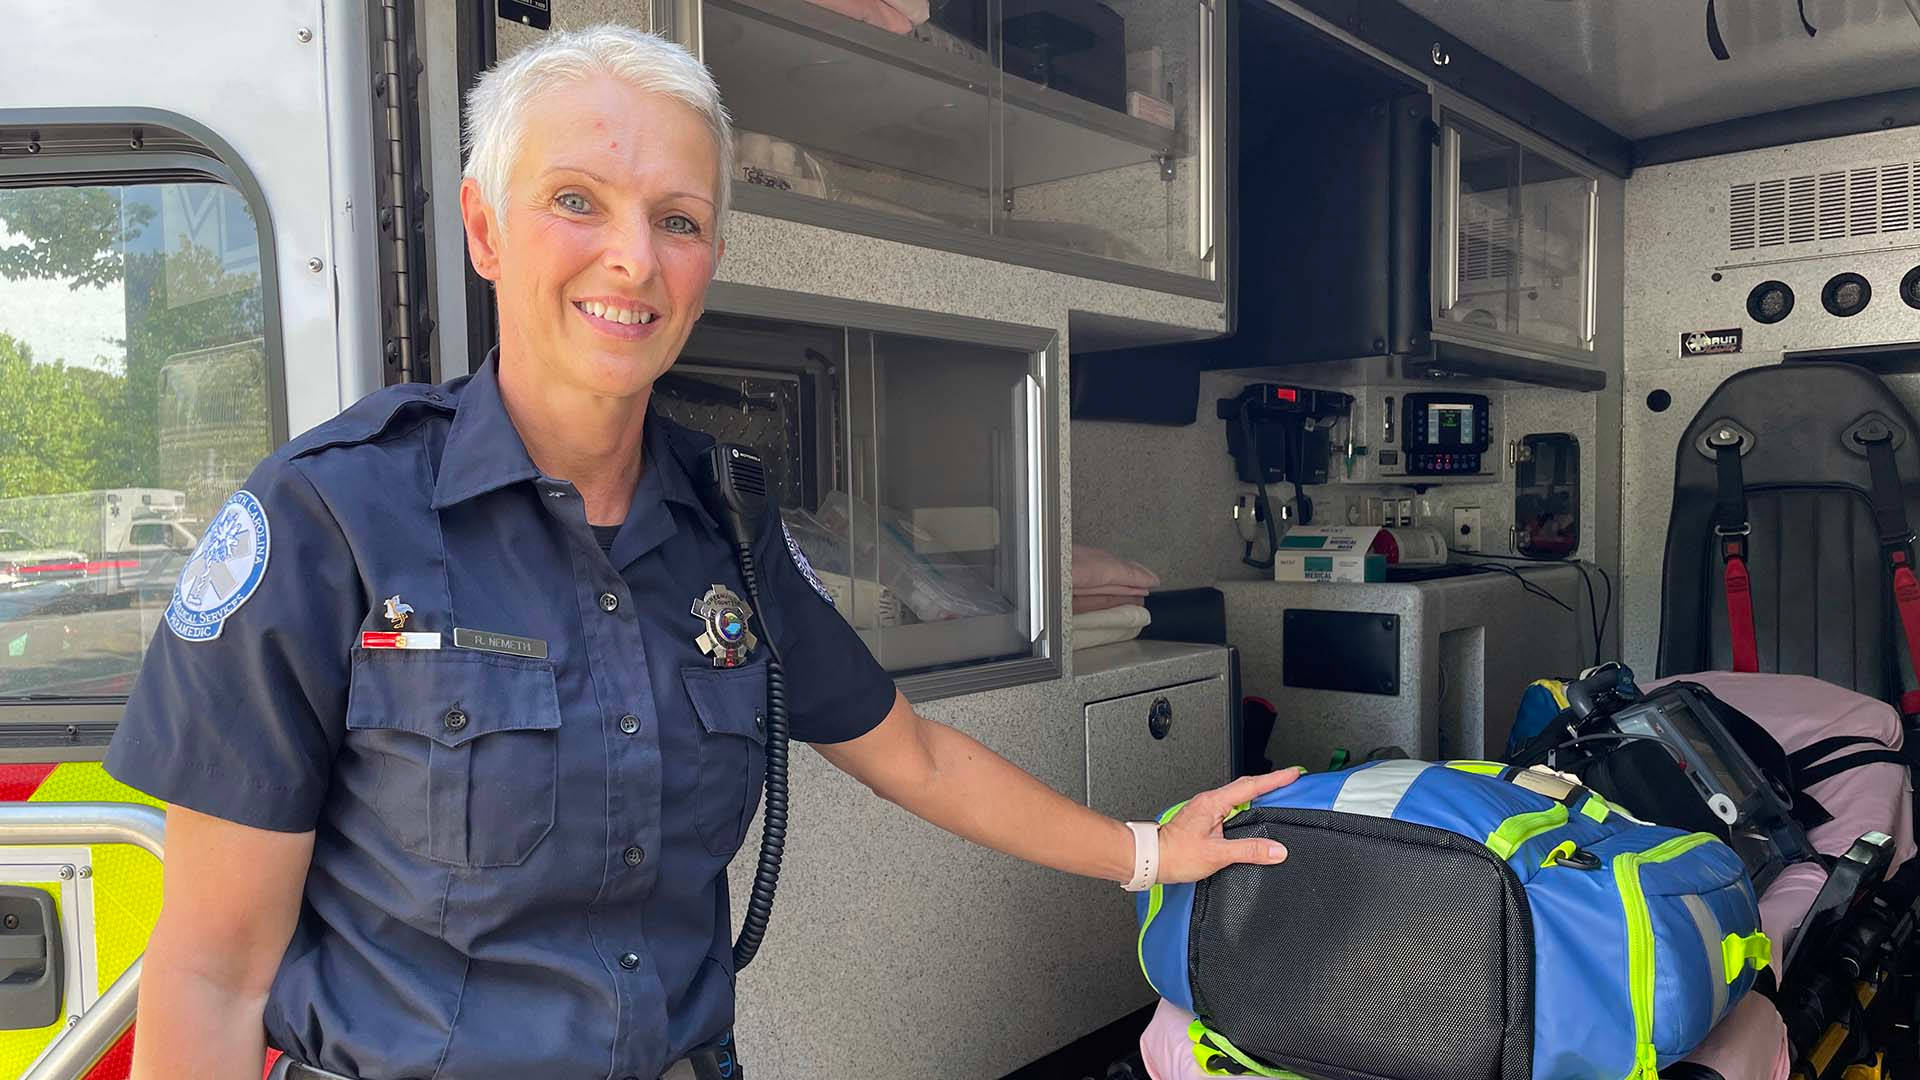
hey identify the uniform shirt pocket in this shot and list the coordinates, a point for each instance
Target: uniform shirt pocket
(468, 746)
(731, 703)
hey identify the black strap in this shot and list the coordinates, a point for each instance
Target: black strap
(1808, 756)
(1889, 498)
(1830, 769)
(1714, 41)
(1730, 507)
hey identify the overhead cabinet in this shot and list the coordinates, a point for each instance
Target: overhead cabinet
(1081, 136)
(1515, 230)
(1377, 215)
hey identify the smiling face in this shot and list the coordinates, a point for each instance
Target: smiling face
(608, 243)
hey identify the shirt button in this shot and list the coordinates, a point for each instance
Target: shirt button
(629, 961)
(629, 723)
(455, 719)
(609, 602)
(634, 855)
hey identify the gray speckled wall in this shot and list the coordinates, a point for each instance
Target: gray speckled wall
(897, 951)
(1677, 240)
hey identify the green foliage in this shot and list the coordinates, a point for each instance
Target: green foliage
(70, 233)
(53, 420)
(71, 428)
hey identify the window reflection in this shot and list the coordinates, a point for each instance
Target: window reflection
(133, 400)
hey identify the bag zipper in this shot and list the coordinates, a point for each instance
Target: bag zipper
(1640, 943)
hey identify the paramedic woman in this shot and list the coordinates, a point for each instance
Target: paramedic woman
(453, 775)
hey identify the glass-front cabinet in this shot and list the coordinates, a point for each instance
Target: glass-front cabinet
(912, 458)
(1077, 135)
(1517, 226)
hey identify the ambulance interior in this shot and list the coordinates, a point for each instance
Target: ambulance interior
(1165, 390)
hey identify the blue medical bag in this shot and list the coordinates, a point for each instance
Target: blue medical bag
(1436, 920)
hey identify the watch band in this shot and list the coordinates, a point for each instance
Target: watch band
(1146, 855)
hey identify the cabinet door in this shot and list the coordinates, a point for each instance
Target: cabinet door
(1146, 752)
(1106, 126)
(1518, 229)
(912, 472)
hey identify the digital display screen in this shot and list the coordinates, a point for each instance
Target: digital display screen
(1672, 719)
(1450, 425)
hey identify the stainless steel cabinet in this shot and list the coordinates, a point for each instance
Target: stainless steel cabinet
(1148, 751)
(1084, 136)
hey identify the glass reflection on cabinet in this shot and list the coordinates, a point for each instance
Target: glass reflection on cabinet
(908, 471)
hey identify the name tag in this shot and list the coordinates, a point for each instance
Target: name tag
(486, 641)
(381, 639)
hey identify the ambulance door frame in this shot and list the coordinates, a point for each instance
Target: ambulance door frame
(72, 869)
(39, 825)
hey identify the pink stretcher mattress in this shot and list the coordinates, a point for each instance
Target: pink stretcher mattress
(1751, 1043)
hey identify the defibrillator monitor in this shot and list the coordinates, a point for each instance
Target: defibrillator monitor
(1446, 434)
(1720, 772)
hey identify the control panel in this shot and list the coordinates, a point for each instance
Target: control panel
(1445, 434)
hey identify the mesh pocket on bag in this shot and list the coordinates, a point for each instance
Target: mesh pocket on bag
(1379, 950)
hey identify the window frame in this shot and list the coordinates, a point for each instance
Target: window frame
(121, 148)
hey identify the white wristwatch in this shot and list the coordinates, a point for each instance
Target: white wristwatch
(1146, 856)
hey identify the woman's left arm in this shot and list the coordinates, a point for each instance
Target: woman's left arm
(955, 782)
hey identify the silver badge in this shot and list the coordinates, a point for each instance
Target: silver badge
(726, 637)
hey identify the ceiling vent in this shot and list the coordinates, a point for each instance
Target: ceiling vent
(1829, 206)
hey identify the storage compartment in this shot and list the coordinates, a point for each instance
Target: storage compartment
(1148, 751)
(913, 472)
(1516, 229)
(1013, 128)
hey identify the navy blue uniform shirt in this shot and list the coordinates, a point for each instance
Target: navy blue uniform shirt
(519, 861)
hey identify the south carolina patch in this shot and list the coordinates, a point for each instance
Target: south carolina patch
(224, 571)
(806, 568)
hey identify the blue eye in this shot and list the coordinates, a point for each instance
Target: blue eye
(573, 201)
(682, 224)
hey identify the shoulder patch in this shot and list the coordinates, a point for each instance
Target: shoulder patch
(223, 571)
(805, 567)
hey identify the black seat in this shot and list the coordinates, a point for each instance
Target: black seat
(1821, 590)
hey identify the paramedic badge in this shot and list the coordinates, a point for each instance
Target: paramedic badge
(726, 637)
(223, 572)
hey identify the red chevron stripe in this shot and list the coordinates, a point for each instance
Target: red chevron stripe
(18, 782)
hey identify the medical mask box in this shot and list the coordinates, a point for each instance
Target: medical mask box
(1329, 553)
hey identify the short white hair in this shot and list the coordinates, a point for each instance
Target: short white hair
(495, 125)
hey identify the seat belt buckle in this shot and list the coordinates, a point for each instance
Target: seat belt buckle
(1733, 542)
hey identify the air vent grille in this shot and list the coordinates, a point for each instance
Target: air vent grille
(1829, 206)
(1486, 249)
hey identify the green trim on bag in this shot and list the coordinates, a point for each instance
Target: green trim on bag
(1640, 943)
(1520, 828)
(1754, 950)
(1208, 1044)
(1156, 896)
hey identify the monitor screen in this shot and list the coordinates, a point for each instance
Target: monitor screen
(1450, 425)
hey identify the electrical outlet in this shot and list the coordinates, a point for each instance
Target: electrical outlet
(1405, 519)
(1466, 528)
